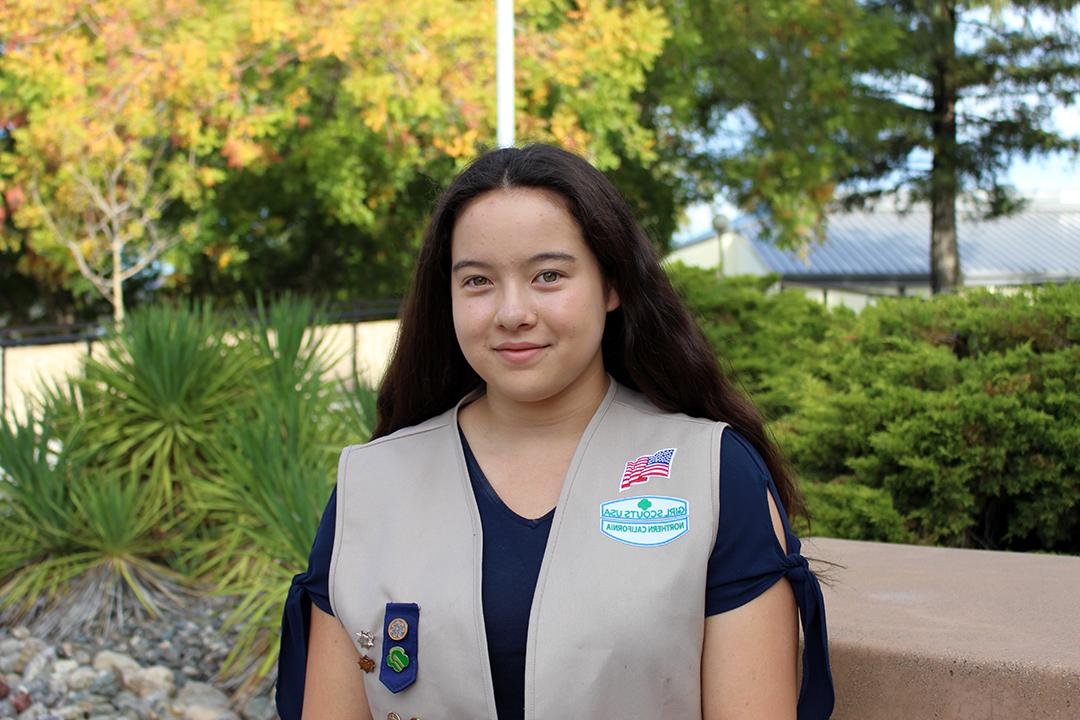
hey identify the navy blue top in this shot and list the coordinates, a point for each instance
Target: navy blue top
(746, 560)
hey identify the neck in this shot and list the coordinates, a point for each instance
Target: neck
(566, 413)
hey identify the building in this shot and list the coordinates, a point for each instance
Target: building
(887, 252)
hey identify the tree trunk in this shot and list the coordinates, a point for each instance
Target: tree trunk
(117, 284)
(944, 253)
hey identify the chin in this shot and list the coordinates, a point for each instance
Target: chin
(524, 390)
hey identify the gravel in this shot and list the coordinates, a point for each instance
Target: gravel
(152, 670)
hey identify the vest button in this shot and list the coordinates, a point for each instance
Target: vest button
(393, 716)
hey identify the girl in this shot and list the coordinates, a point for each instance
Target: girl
(566, 509)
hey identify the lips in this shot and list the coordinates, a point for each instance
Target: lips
(519, 352)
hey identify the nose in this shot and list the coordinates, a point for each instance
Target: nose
(516, 308)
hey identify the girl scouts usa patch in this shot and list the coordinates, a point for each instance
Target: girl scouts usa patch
(645, 521)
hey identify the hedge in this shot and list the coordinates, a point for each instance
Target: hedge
(950, 420)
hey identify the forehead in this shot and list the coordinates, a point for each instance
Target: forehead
(513, 223)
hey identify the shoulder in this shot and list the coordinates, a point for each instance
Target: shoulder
(749, 499)
(740, 458)
(407, 436)
(637, 403)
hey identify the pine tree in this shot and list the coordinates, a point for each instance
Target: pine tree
(981, 81)
(796, 106)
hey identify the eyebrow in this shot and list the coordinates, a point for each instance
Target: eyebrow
(538, 257)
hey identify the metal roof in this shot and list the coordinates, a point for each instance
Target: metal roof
(1039, 244)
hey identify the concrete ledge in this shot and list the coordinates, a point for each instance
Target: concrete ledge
(924, 632)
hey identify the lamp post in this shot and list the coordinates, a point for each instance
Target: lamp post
(504, 70)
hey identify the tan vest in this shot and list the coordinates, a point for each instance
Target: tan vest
(617, 620)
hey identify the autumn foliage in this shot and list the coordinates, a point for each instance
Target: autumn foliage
(121, 120)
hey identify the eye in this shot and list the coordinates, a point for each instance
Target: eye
(549, 276)
(475, 281)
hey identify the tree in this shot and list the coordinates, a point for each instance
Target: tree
(215, 134)
(117, 112)
(404, 102)
(983, 80)
(796, 107)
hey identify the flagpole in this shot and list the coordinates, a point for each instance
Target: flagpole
(504, 70)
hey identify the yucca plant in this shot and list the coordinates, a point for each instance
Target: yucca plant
(80, 547)
(286, 336)
(276, 478)
(355, 411)
(165, 391)
(268, 484)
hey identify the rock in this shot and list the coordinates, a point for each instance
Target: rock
(5, 690)
(130, 704)
(64, 667)
(21, 700)
(9, 646)
(158, 704)
(200, 701)
(81, 678)
(260, 707)
(198, 693)
(34, 712)
(38, 664)
(55, 688)
(205, 712)
(85, 707)
(20, 632)
(31, 647)
(157, 679)
(123, 665)
(105, 682)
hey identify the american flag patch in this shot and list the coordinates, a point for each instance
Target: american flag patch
(639, 471)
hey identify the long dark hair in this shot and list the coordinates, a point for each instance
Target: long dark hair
(428, 373)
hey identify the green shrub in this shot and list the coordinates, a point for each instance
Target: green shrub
(960, 409)
(759, 336)
(853, 511)
(968, 426)
(993, 462)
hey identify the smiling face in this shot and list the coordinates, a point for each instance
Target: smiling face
(529, 300)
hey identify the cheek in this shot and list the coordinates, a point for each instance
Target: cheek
(576, 324)
(469, 315)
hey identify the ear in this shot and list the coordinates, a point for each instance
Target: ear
(612, 298)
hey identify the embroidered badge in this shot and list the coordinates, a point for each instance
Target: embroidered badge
(647, 466)
(645, 521)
